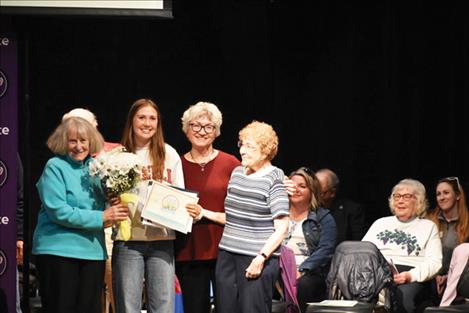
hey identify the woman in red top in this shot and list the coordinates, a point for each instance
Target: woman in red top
(207, 171)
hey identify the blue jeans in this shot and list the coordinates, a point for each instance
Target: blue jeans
(137, 262)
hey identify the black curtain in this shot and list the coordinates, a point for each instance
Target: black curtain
(376, 91)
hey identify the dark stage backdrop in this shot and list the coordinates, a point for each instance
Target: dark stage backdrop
(377, 92)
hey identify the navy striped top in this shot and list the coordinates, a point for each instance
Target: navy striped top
(251, 205)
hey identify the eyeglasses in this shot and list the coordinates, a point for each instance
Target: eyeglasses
(405, 196)
(325, 192)
(247, 146)
(209, 128)
(452, 178)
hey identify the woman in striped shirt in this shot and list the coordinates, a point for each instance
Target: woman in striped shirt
(256, 209)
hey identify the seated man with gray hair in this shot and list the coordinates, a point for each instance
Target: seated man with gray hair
(349, 216)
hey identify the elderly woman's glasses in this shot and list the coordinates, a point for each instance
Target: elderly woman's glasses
(209, 128)
(246, 146)
(405, 196)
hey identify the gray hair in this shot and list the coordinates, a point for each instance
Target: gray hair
(418, 189)
(58, 140)
(84, 114)
(332, 178)
(202, 109)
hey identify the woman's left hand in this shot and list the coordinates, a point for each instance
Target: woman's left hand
(402, 278)
(194, 210)
(441, 283)
(254, 269)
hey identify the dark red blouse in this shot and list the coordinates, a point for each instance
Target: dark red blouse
(211, 183)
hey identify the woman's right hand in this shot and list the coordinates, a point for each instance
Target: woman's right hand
(115, 213)
(402, 278)
(290, 186)
(113, 200)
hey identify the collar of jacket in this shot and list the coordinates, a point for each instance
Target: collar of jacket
(320, 213)
(75, 163)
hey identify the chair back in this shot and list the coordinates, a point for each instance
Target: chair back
(360, 272)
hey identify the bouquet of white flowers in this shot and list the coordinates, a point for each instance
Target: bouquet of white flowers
(119, 171)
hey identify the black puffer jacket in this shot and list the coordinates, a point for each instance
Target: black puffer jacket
(359, 272)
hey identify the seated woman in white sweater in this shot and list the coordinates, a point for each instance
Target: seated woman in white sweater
(409, 241)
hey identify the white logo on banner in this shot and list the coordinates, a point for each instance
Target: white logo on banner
(3, 262)
(3, 83)
(4, 41)
(4, 131)
(3, 173)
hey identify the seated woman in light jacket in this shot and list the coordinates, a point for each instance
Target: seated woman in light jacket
(409, 241)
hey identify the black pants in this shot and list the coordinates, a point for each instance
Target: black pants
(236, 293)
(70, 285)
(310, 288)
(411, 297)
(195, 278)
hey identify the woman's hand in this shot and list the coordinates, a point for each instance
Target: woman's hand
(114, 200)
(19, 252)
(254, 269)
(194, 211)
(299, 274)
(441, 283)
(290, 185)
(402, 278)
(115, 213)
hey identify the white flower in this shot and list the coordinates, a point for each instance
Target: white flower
(119, 171)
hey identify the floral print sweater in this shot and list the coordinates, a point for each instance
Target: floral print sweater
(413, 243)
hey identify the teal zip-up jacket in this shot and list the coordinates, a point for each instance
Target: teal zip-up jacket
(70, 222)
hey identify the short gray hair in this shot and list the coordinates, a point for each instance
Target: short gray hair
(418, 189)
(84, 114)
(202, 109)
(332, 178)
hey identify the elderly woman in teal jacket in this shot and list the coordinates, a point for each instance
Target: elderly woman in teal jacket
(69, 239)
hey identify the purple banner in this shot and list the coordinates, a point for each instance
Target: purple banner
(8, 169)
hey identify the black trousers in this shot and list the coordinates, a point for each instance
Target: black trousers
(310, 288)
(237, 294)
(195, 278)
(411, 297)
(70, 285)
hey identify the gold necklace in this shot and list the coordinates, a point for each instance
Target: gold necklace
(202, 164)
